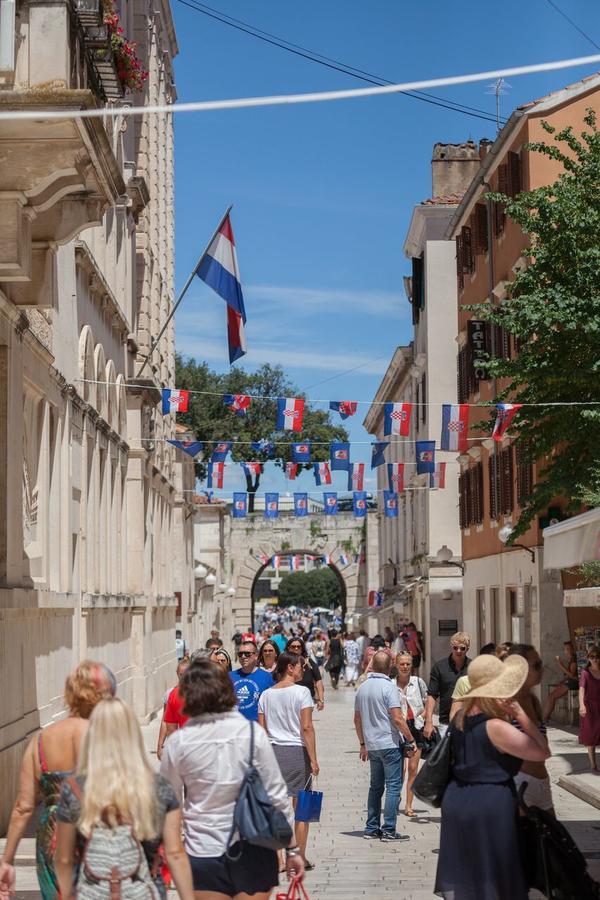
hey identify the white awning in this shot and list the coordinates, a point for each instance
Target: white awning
(573, 541)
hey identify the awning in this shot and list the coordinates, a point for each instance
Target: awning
(573, 541)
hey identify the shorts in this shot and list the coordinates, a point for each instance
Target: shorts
(538, 791)
(571, 684)
(294, 763)
(417, 734)
(256, 871)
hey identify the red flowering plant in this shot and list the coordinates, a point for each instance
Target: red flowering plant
(130, 71)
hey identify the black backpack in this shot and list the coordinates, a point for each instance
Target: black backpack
(254, 816)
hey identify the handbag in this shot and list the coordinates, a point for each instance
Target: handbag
(254, 816)
(433, 777)
(296, 891)
(308, 804)
(429, 744)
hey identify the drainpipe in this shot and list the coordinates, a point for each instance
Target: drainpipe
(7, 35)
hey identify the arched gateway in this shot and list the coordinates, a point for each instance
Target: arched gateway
(350, 543)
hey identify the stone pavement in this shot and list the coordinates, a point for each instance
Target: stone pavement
(349, 867)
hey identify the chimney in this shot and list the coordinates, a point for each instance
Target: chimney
(453, 167)
(484, 148)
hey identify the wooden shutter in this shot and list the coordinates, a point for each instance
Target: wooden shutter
(506, 480)
(462, 500)
(524, 475)
(418, 291)
(459, 261)
(481, 228)
(478, 490)
(461, 375)
(468, 260)
(514, 174)
(503, 179)
(493, 469)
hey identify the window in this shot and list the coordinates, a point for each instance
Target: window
(466, 380)
(500, 468)
(480, 228)
(524, 475)
(513, 163)
(418, 287)
(465, 261)
(470, 485)
(499, 210)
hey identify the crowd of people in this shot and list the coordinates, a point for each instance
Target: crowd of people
(103, 802)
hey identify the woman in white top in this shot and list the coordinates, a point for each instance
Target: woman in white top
(413, 693)
(285, 712)
(209, 757)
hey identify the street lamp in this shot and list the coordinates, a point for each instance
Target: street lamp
(222, 586)
(211, 579)
(444, 558)
(504, 536)
(230, 591)
(200, 571)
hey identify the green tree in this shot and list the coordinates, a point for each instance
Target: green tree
(319, 587)
(553, 310)
(211, 421)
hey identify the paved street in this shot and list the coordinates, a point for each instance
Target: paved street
(349, 867)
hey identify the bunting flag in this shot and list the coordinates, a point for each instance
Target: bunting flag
(295, 563)
(251, 469)
(346, 408)
(291, 470)
(275, 563)
(330, 503)
(220, 451)
(455, 427)
(300, 505)
(264, 446)
(396, 477)
(505, 415)
(390, 504)
(174, 401)
(425, 452)
(271, 505)
(377, 453)
(359, 506)
(322, 473)
(240, 505)
(237, 403)
(438, 478)
(375, 599)
(219, 270)
(301, 452)
(343, 559)
(326, 559)
(191, 447)
(290, 411)
(356, 476)
(215, 474)
(396, 418)
(339, 454)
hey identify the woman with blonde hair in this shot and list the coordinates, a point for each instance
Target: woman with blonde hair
(479, 855)
(50, 757)
(413, 694)
(115, 787)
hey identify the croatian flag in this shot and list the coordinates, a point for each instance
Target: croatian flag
(375, 598)
(191, 447)
(240, 505)
(505, 415)
(326, 559)
(356, 476)
(396, 418)
(289, 414)
(275, 563)
(322, 473)
(252, 469)
(359, 506)
(300, 505)
(271, 506)
(345, 408)
(220, 451)
(339, 454)
(438, 478)
(219, 270)
(215, 474)
(294, 563)
(237, 403)
(264, 446)
(396, 476)
(425, 451)
(343, 559)
(455, 427)
(174, 401)
(330, 503)
(377, 453)
(301, 452)
(291, 470)
(390, 504)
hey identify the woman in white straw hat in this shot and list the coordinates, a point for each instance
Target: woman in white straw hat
(479, 849)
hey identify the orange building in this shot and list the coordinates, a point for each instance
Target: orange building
(508, 595)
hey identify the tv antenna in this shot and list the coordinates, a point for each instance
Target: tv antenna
(498, 87)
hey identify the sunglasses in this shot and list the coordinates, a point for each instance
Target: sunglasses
(246, 653)
(458, 648)
(295, 647)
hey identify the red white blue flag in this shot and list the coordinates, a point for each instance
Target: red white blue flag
(396, 418)
(252, 469)
(275, 563)
(237, 403)
(300, 505)
(290, 411)
(322, 473)
(438, 478)
(291, 470)
(220, 451)
(174, 401)
(219, 270)
(378, 453)
(271, 506)
(390, 504)
(191, 447)
(330, 503)
(264, 446)
(375, 598)
(359, 505)
(301, 452)
(343, 559)
(396, 476)
(215, 474)
(455, 427)
(425, 451)
(505, 415)
(345, 408)
(356, 476)
(339, 454)
(295, 563)
(240, 505)
(326, 559)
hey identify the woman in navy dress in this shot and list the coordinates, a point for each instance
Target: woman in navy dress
(479, 847)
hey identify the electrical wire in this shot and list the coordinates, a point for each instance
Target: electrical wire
(329, 62)
(574, 24)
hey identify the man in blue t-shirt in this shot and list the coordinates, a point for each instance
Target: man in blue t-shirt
(249, 681)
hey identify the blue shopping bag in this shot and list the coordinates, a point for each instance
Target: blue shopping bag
(308, 804)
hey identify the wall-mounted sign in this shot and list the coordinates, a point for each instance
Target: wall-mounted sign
(477, 332)
(447, 627)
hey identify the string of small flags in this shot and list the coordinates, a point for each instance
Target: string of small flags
(294, 561)
(239, 505)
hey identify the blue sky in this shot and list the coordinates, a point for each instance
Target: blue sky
(323, 193)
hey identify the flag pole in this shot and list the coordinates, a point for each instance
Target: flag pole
(154, 343)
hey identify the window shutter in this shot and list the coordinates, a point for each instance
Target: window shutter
(462, 500)
(478, 479)
(481, 229)
(468, 260)
(524, 475)
(503, 179)
(459, 261)
(461, 375)
(505, 344)
(494, 487)
(418, 292)
(514, 174)
(506, 480)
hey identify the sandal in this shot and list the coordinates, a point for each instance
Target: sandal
(410, 813)
(308, 866)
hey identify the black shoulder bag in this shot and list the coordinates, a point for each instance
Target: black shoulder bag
(435, 773)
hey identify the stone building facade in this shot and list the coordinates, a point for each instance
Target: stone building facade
(91, 493)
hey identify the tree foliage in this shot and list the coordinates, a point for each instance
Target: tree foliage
(319, 587)
(553, 309)
(211, 421)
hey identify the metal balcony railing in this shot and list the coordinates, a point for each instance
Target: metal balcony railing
(93, 63)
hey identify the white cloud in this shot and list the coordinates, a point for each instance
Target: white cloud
(331, 300)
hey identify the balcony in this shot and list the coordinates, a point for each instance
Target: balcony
(58, 175)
